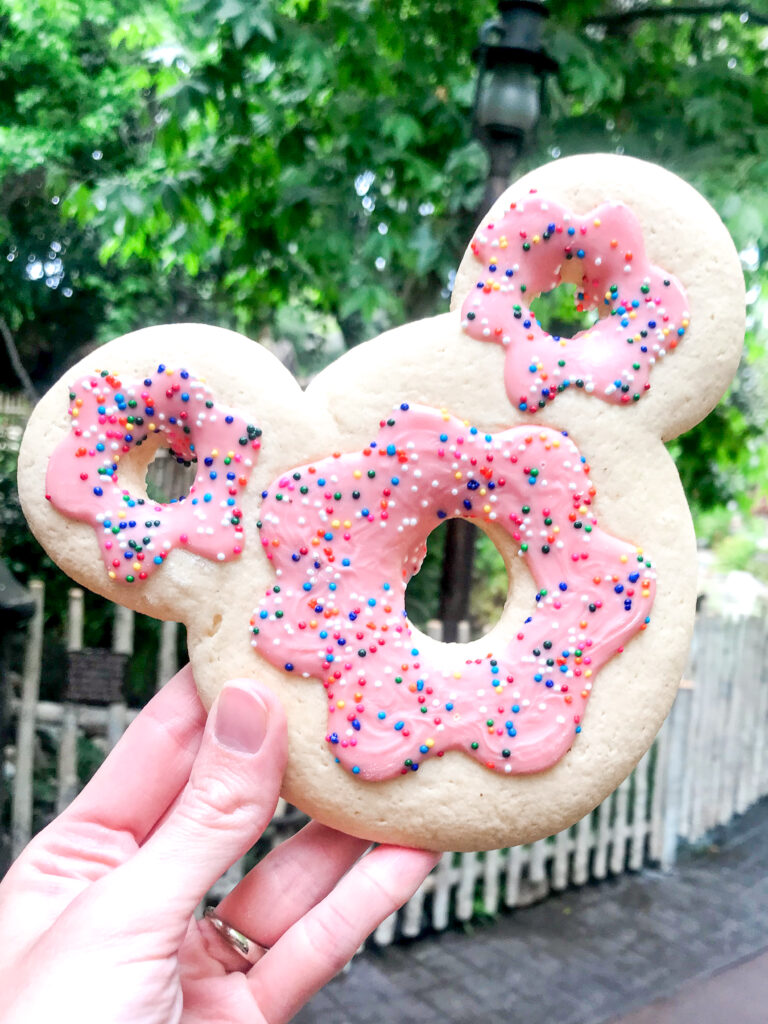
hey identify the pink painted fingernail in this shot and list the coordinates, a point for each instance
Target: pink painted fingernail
(241, 720)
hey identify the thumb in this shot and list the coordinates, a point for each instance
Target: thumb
(226, 805)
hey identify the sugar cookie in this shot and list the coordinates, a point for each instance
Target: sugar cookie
(289, 557)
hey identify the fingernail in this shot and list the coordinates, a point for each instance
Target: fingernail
(241, 720)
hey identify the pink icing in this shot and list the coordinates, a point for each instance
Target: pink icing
(136, 534)
(346, 534)
(536, 245)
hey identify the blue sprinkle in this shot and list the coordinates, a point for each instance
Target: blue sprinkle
(382, 714)
(399, 726)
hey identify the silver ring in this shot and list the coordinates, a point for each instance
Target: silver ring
(247, 948)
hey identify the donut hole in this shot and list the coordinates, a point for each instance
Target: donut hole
(489, 586)
(561, 313)
(168, 478)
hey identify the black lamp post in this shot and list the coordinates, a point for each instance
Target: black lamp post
(512, 65)
(16, 605)
(511, 68)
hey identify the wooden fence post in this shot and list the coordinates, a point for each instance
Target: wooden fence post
(674, 778)
(21, 810)
(167, 659)
(122, 643)
(68, 782)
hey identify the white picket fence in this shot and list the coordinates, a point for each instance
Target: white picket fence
(709, 762)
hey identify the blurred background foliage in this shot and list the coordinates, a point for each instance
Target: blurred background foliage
(304, 171)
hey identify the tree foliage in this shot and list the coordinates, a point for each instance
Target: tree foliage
(286, 165)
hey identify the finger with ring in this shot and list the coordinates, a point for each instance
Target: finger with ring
(247, 948)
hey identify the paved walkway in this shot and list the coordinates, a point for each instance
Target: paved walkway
(680, 948)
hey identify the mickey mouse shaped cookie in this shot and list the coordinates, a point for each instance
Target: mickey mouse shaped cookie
(290, 555)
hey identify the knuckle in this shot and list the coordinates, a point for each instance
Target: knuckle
(332, 937)
(217, 801)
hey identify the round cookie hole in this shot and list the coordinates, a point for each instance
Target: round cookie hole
(489, 587)
(559, 311)
(168, 479)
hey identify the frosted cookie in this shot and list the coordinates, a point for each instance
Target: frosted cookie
(290, 555)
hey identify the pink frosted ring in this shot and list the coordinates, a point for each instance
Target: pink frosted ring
(345, 535)
(536, 245)
(109, 420)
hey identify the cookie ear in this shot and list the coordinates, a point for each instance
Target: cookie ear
(648, 252)
(215, 399)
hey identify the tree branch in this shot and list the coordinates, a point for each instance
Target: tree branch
(16, 363)
(688, 11)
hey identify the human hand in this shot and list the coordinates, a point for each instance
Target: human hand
(97, 915)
